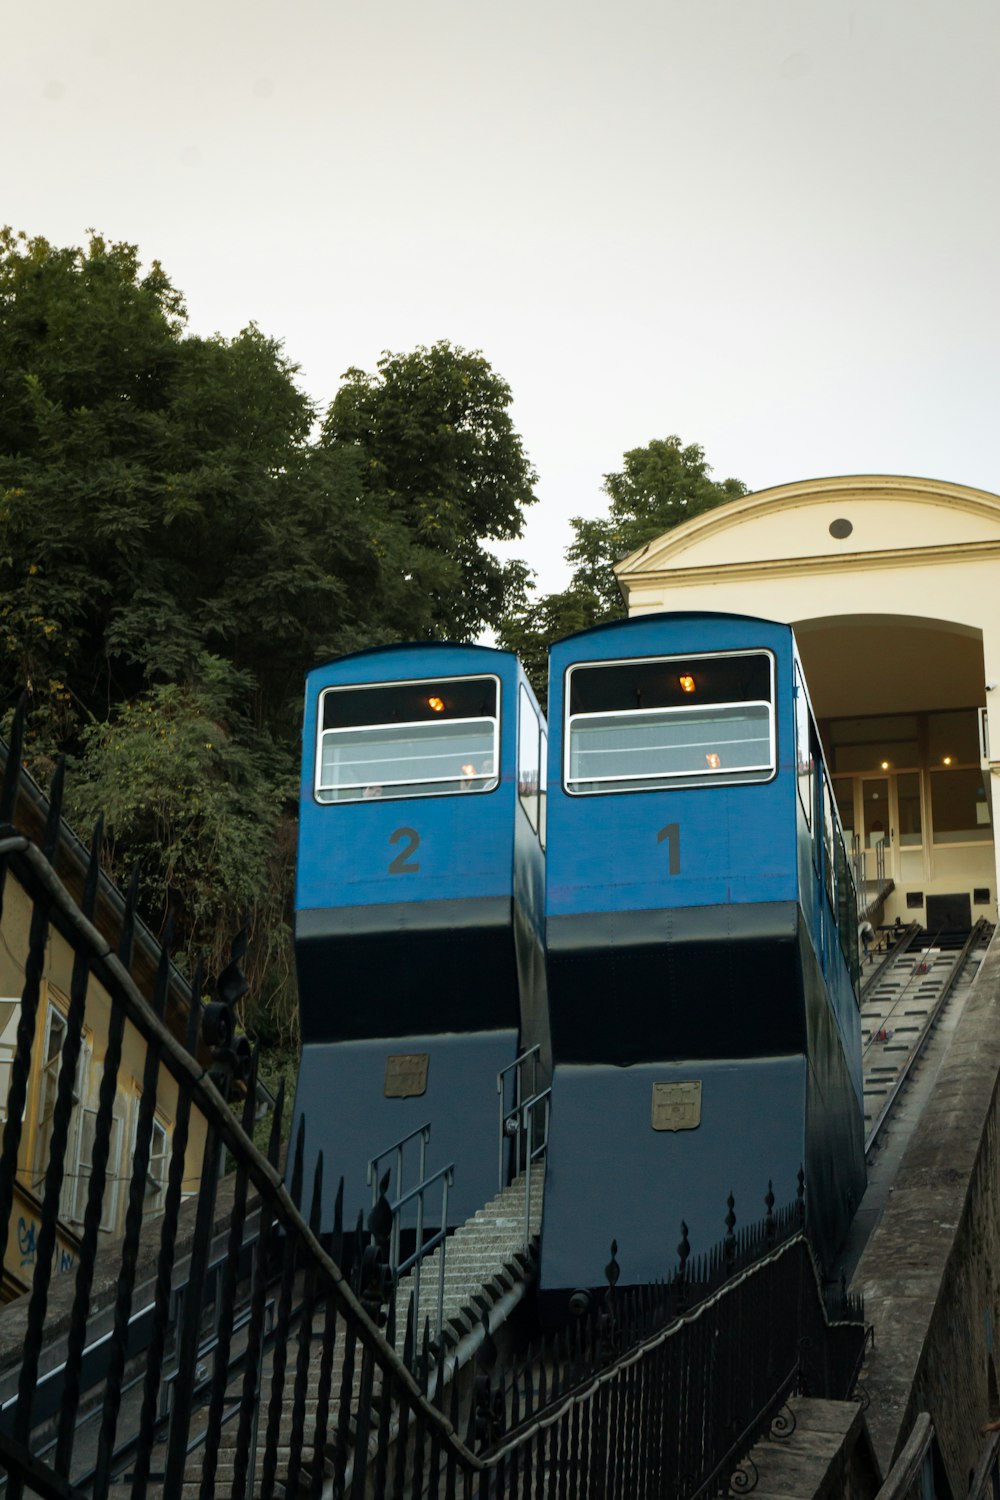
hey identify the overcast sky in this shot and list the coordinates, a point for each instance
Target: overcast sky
(769, 226)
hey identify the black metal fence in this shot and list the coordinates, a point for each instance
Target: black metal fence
(663, 1391)
(188, 1405)
(234, 1357)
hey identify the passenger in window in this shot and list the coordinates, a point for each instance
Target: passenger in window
(371, 791)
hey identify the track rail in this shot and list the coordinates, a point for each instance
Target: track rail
(903, 938)
(901, 1006)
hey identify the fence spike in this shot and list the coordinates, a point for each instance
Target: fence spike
(53, 823)
(227, 1297)
(12, 770)
(337, 1246)
(149, 1413)
(127, 937)
(409, 1337)
(380, 1218)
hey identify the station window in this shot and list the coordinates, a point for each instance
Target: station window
(843, 795)
(528, 757)
(960, 810)
(868, 744)
(908, 798)
(953, 737)
(670, 722)
(408, 739)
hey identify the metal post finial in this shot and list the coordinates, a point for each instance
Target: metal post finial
(730, 1240)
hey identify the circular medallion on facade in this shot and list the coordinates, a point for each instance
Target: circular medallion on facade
(841, 529)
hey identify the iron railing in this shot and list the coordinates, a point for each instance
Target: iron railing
(525, 1111)
(386, 1219)
(336, 1318)
(326, 1404)
(663, 1390)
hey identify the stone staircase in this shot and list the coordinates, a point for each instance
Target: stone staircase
(484, 1260)
(485, 1263)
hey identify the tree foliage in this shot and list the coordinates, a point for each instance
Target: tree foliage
(176, 550)
(657, 488)
(440, 455)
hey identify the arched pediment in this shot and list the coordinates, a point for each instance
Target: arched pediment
(876, 520)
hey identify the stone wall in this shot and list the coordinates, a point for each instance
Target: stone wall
(931, 1272)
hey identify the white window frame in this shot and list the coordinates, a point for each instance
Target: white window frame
(734, 776)
(8, 1048)
(52, 1067)
(156, 1180)
(114, 1172)
(453, 790)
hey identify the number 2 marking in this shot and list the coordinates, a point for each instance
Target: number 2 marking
(672, 835)
(403, 863)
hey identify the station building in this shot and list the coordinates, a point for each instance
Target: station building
(892, 586)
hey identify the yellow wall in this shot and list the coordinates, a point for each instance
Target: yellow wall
(31, 1163)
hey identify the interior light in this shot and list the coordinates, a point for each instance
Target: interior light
(947, 760)
(437, 704)
(885, 765)
(713, 761)
(687, 683)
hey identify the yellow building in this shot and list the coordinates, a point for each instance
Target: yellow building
(893, 589)
(50, 1033)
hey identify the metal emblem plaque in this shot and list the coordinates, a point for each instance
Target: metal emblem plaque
(406, 1075)
(677, 1106)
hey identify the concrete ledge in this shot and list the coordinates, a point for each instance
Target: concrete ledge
(930, 1272)
(829, 1456)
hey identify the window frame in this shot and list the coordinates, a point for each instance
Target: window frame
(528, 719)
(680, 780)
(543, 782)
(116, 1167)
(804, 771)
(947, 839)
(406, 792)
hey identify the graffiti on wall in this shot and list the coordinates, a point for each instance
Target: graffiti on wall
(27, 1245)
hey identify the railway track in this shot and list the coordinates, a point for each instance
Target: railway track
(901, 1004)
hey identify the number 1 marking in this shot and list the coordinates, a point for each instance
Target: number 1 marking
(672, 835)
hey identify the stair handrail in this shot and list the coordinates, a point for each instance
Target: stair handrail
(37, 877)
(424, 1248)
(858, 862)
(517, 1124)
(397, 1149)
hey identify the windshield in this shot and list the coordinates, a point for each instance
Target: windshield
(410, 739)
(670, 721)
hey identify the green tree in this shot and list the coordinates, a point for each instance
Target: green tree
(440, 456)
(657, 488)
(176, 551)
